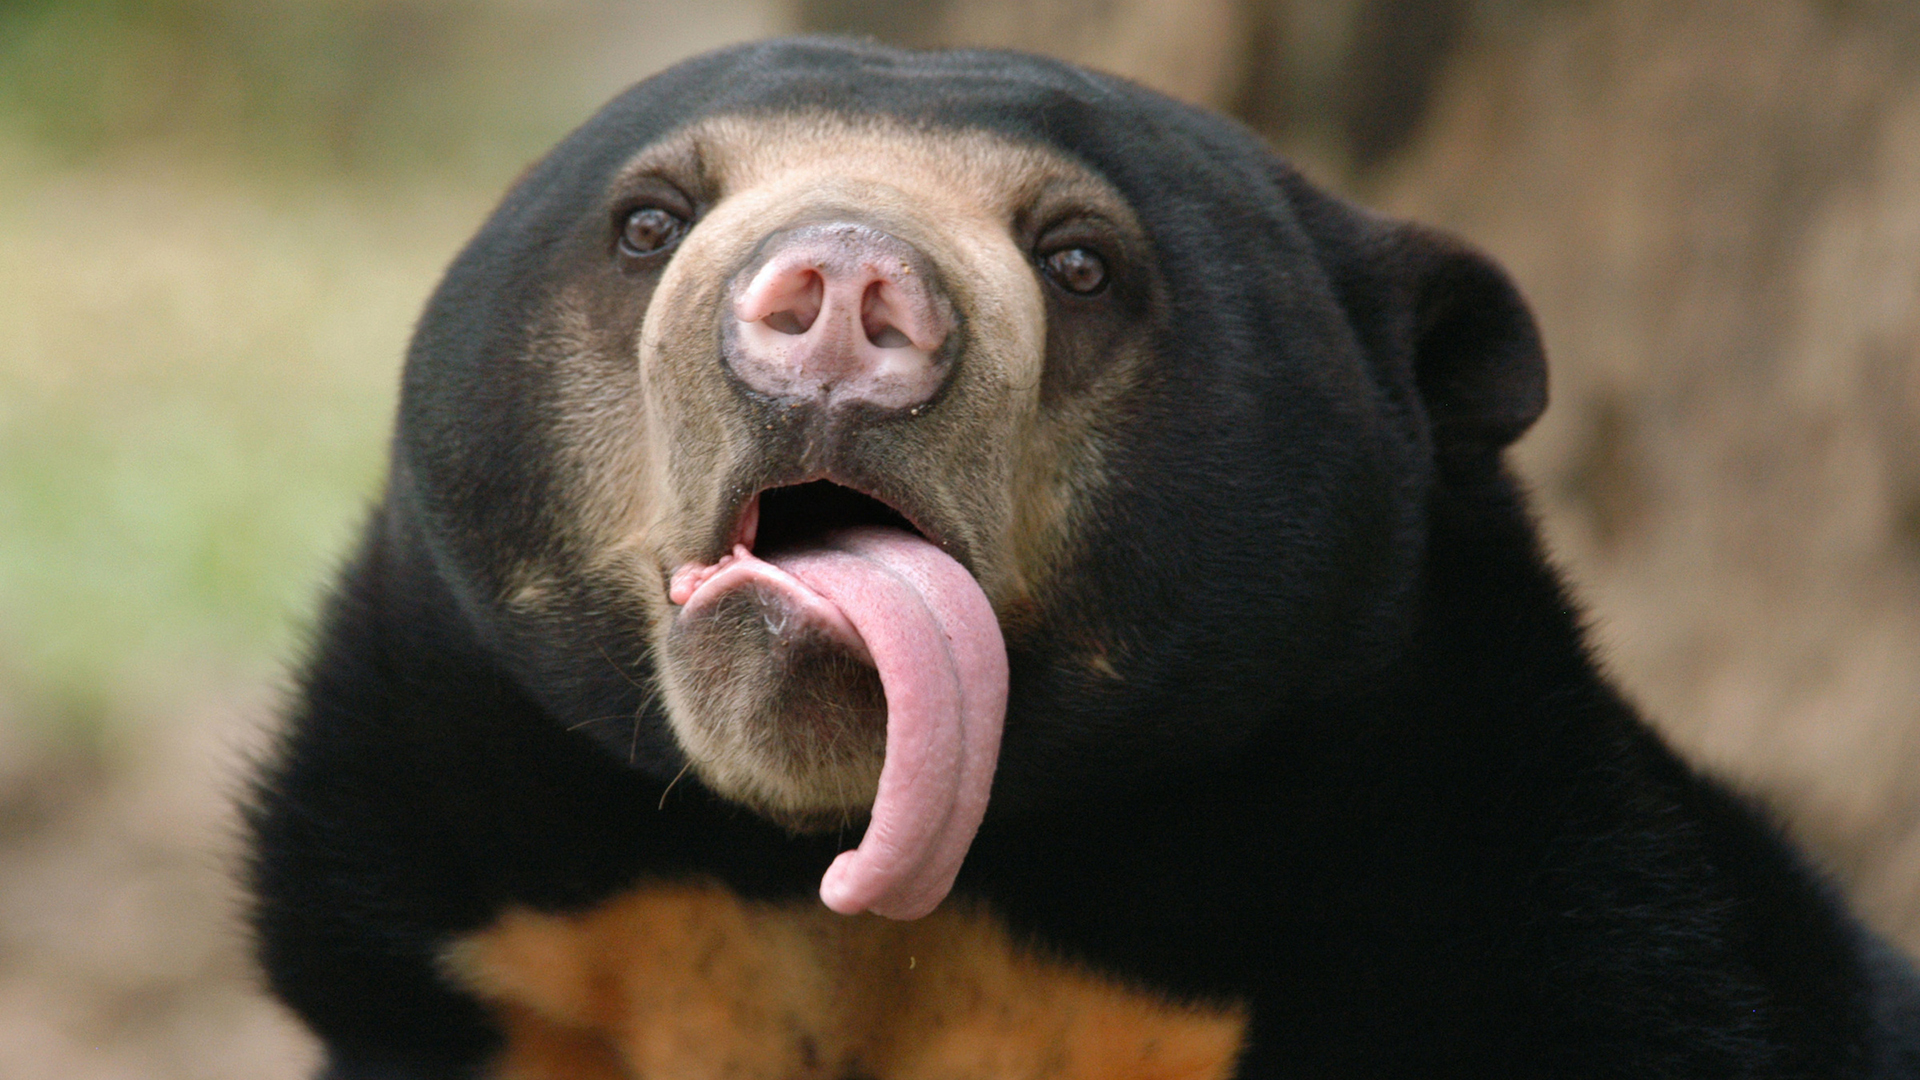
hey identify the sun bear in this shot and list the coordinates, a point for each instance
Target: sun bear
(932, 566)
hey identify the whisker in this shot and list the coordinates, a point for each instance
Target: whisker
(631, 681)
(594, 720)
(639, 712)
(675, 780)
(650, 693)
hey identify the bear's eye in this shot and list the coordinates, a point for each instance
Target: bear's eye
(650, 230)
(1078, 270)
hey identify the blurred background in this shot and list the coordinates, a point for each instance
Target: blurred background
(219, 218)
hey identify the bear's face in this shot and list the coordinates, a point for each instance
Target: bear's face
(783, 404)
(816, 402)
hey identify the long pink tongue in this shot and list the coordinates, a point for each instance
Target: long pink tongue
(943, 665)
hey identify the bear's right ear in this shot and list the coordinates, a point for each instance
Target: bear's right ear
(1477, 357)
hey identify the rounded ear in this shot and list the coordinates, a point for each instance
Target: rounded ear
(1477, 357)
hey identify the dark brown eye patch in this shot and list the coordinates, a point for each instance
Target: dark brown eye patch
(1078, 270)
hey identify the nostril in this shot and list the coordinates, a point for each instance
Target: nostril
(788, 302)
(888, 338)
(876, 319)
(786, 322)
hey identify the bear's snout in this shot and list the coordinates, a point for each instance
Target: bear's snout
(839, 313)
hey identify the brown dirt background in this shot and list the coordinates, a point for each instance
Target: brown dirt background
(1714, 206)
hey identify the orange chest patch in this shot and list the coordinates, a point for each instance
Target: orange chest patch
(690, 982)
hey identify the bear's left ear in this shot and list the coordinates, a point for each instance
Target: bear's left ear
(1477, 357)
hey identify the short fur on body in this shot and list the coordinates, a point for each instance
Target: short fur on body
(1305, 770)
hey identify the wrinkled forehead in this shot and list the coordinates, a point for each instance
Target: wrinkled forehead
(872, 161)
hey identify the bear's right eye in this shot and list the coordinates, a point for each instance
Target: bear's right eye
(1078, 270)
(650, 230)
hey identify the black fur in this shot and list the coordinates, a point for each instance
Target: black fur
(1360, 770)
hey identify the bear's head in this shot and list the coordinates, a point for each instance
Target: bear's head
(816, 403)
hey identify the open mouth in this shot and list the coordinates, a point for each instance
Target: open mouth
(783, 518)
(779, 523)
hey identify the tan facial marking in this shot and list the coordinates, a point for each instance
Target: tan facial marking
(689, 981)
(957, 194)
(655, 438)
(952, 194)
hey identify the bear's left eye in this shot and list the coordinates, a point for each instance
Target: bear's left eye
(1078, 270)
(650, 230)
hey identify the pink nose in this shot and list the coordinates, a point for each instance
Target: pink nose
(841, 312)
